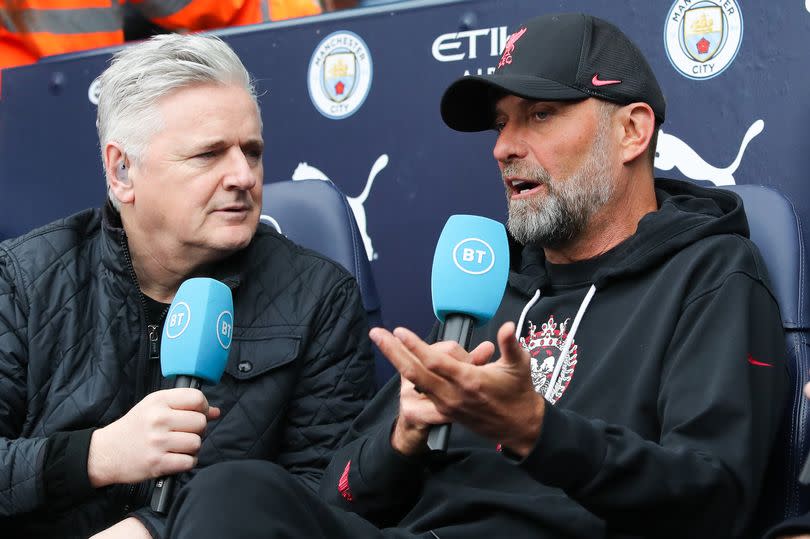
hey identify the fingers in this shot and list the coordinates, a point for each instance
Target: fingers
(191, 400)
(416, 414)
(185, 398)
(421, 411)
(481, 354)
(447, 359)
(182, 410)
(419, 348)
(451, 348)
(408, 365)
(175, 452)
(172, 463)
(186, 421)
(183, 442)
(432, 360)
(511, 351)
(417, 407)
(406, 387)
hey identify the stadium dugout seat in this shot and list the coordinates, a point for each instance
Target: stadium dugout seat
(777, 232)
(316, 215)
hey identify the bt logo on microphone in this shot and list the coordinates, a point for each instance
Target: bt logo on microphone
(225, 329)
(177, 320)
(473, 256)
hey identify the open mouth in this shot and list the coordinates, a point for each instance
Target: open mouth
(519, 187)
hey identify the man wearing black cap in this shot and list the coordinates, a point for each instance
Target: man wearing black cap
(641, 352)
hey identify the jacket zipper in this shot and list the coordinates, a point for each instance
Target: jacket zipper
(154, 355)
(151, 377)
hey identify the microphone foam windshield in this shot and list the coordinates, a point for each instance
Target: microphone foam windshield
(198, 330)
(470, 268)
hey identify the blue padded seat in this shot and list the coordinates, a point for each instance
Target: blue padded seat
(316, 215)
(777, 232)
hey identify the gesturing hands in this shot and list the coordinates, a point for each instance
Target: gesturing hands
(417, 412)
(496, 400)
(159, 436)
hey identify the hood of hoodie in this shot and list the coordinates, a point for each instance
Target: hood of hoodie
(686, 213)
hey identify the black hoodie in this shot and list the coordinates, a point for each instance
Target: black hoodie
(661, 414)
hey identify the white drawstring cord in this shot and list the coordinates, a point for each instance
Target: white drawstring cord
(524, 312)
(570, 339)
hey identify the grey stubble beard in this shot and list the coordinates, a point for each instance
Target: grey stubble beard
(562, 214)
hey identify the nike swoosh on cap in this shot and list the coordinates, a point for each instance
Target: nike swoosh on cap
(597, 82)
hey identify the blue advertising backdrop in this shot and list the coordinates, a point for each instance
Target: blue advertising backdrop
(354, 96)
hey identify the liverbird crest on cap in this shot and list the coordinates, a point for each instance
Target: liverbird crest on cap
(506, 57)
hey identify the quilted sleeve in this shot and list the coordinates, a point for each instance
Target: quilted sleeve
(337, 380)
(20, 458)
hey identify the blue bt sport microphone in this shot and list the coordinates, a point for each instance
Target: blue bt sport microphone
(196, 339)
(470, 269)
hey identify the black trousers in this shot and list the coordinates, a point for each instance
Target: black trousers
(258, 499)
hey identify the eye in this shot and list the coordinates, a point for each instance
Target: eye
(206, 155)
(541, 115)
(253, 154)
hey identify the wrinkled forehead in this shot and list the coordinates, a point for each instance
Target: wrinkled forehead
(191, 114)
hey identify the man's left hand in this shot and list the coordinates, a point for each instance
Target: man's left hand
(496, 400)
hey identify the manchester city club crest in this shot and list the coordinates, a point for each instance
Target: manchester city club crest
(547, 367)
(703, 38)
(339, 76)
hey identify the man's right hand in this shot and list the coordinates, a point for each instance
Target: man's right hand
(159, 436)
(417, 413)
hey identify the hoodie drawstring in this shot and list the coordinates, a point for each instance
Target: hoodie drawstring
(523, 314)
(568, 340)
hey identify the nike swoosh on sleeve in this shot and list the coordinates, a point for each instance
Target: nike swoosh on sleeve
(753, 361)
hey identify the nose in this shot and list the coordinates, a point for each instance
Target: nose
(510, 145)
(242, 171)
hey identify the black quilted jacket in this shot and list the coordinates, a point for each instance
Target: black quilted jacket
(74, 355)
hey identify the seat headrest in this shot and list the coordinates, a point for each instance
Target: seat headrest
(316, 215)
(777, 232)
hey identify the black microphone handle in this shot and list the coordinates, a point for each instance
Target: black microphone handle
(458, 328)
(162, 494)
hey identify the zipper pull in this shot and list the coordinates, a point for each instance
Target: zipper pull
(154, 350)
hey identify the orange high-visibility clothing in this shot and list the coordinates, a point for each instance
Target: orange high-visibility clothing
(30, 29)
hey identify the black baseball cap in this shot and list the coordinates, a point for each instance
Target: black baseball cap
(562, 57)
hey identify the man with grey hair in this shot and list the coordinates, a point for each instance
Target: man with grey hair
(641, 353)
(86, 420)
